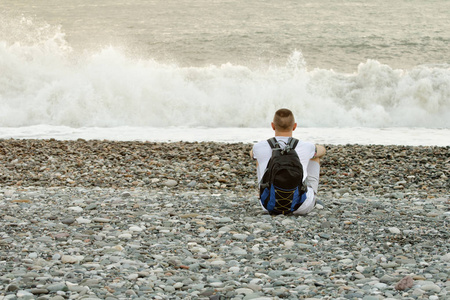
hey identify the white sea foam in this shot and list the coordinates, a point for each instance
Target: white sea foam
(43, 82)
(334, 136)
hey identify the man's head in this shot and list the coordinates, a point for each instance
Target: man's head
(284, 122)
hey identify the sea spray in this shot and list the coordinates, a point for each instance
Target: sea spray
(44, 82)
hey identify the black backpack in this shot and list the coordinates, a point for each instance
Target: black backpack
(282, 190)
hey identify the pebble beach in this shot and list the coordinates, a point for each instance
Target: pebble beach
(90, 219)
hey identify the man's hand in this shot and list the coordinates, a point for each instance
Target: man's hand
(320, 151)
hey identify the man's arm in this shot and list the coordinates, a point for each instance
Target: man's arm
(251, 155)
(320, 151)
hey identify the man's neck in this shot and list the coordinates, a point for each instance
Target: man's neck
(283, 133)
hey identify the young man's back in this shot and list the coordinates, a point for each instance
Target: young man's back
(309, 154)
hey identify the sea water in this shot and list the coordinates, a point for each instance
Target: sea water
(351, 71)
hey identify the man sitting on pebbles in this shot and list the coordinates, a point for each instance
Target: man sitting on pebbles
(309, 154)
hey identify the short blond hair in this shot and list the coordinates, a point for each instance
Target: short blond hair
(284, 120)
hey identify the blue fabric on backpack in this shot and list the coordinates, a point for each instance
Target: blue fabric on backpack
(270, 193)
(264, 196)
(295, 199)
(272, 199)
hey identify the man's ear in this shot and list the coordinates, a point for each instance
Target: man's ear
(273, 126)
(295, 126)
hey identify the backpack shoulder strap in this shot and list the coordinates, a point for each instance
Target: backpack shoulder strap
(292, 142)
(272, 142)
